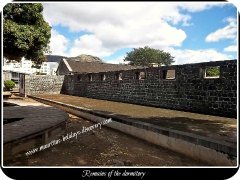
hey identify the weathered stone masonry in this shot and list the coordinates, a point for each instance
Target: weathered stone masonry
(34, 84)
(189, 91)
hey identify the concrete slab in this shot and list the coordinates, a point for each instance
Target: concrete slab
(35, 119)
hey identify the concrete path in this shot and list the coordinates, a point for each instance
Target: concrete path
(20, 101)
(33, 117)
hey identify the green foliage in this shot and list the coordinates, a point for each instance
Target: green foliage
(212, 71)
(25, 33)
(145, 56)
(8, 84)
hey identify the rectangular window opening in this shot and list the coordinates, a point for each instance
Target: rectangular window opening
(212, 72)
(79, 78)
(90, 77)
(168, 74)
(140, 75)
(137, 74)
(103, 77)
(118, 76)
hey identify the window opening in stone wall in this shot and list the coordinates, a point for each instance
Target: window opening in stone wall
(212, 72)
(168, 74)
(90, 77)
(103, 77)
(137, 74)
(79, 77)
(118, 76)
(140, 75)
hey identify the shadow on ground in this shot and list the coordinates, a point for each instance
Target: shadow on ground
(213, 129)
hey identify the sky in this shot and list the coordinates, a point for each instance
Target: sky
(191, 32)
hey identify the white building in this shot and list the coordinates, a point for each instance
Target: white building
(49, 68)
(11, 66)
(12, 69)
(24, 66)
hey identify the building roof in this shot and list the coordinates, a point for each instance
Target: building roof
(95, 67)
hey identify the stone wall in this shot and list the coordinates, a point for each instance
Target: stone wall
(190, 90)
(40, 84)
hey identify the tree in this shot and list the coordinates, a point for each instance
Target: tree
(145, 56)
(213, 71)
(25, 33)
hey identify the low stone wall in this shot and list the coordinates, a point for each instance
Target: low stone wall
(40, 84)
(190, 90)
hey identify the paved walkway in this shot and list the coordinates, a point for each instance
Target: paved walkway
(219, 128)
(33, 117)
(21, 101)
